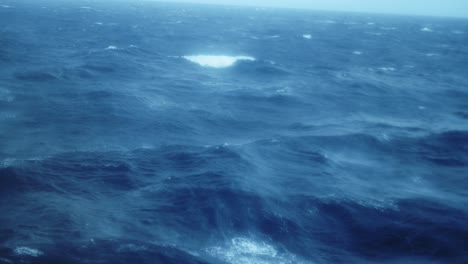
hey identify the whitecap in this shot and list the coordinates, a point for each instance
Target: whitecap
(111, 48)
(388, 28)
(25, 251)
(432, 54)
(426, 29)
(281, 91)
(374, 33)
(326, 21)
(99, 23)
(307, 36)
(6, 6)
(7, 162)
(356, 52)
(384, 137)
(245, 245)
(217, 61)
(248, 251)
(387, 69)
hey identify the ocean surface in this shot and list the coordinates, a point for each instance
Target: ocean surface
(146, 132)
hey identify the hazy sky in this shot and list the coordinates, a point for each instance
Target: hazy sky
(457, 8)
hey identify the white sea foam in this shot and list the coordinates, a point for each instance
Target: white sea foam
(426, 29)
(5, 95)
(432, 54)
(7, 115)
(326, 21)
(248, 251)
(265, 37)
(111, 48)
(387, 69)
(217, 61)
(281, 91)
(4, 260)
(388, 28)
(7, 162)
(356, 52)
(307, 36)
(25, 251)
(374, 33)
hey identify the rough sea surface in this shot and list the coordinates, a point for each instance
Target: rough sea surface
(145, 132)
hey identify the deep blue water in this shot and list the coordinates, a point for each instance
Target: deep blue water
(142, 132)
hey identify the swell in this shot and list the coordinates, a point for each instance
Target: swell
(212, 194)
(345, 146)
(118, 64)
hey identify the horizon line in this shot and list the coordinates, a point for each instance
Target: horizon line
(408, 14)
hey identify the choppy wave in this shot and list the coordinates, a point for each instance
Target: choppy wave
(128, 137)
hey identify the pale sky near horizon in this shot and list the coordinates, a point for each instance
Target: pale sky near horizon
(453, 8)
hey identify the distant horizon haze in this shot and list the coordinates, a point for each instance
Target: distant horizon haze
(448, 8)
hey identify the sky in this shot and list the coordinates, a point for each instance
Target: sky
(453, 8)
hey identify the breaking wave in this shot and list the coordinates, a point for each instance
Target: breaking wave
(217, 61)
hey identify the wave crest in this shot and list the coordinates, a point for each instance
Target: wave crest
(217, 61)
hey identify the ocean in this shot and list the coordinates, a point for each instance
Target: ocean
(149, 132)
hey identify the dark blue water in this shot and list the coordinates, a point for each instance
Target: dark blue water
(142, 132)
